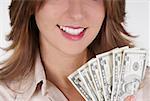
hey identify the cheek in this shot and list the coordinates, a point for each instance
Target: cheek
(96, 15)
(97, 18)
(96, 22)
(47, 21)
(47, 14)
(95, 26)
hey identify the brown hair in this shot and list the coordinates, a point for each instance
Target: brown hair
(25, 35)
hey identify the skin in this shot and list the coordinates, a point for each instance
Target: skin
(61, 56)
(130, 98)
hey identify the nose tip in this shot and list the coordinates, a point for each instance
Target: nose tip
(76, 11)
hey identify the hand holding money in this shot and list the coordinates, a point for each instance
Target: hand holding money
(111, 76)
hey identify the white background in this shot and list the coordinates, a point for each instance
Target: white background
(137, 22)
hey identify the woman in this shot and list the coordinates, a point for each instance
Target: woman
(51, 39)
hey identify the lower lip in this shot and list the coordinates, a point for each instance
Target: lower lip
(73, 37)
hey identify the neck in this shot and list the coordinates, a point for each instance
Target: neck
(59, 65)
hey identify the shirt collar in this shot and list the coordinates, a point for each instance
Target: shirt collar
(38, 76)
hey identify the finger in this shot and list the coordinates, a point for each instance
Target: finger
(128, 98)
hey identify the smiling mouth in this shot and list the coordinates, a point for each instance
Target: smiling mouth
(72, 33)
(72, 30)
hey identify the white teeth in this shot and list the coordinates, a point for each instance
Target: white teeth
(71, 30)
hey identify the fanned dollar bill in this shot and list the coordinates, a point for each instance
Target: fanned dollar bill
(111, 76)
(77, 82)
(105, 68)
(87, 80)
(95, 74)
(132, 71)
(117, 60)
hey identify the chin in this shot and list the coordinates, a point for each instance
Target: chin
(73, 52)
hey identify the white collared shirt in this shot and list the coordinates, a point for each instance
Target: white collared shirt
(37, 88)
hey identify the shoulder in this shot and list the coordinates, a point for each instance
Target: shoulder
(16, 90)
(12, 90)
(144, 91)
(146, 81)
(6, 94)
